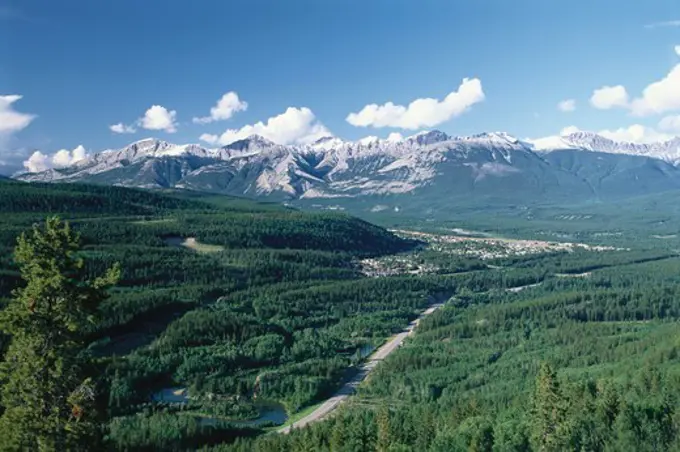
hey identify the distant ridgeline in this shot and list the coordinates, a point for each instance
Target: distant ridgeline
(429, 174)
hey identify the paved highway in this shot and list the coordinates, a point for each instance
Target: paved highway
(349, 388)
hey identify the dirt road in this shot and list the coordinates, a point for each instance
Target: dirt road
(349, 388)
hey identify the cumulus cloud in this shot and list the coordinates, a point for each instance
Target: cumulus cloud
(391, 138)
(609, 96)
(660, 96)
(209, 138)
(294, 126)
(635, 133)
(670, 124)
(394, 137)
(156, 117)
(65, 157)
(38, 161)
(11, 120)
(569, 130)
(567, 105)
(225, 108)
(159, 118)
(122, 128)
(426, 112)
(368, 140)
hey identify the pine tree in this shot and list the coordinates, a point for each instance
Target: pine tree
(47, 395)
(338, 433)
(608, 404)
(549, 411)
(384, 439)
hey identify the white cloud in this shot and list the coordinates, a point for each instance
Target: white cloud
(635, 133)
(391, 138)
(368, 140)
(10, 120)
(670, 124)
(567, 105)
(660, 96)
(209, 138)
(609, 96)
(156, 117)
(65, 157)
(294, 126)
(38, 161)
(159, 118)
(569, 130)
(394, 137)
(420, 113)
(224, 109)
(122, 128)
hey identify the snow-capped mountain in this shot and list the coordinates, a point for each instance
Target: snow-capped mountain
(668, 151)
(429, 166)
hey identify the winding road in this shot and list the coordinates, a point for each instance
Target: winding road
(349, 387)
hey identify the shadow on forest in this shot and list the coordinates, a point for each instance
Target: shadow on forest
(141, 331)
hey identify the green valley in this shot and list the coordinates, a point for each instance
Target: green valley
(232, 316)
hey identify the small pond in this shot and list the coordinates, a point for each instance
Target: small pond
(270, 412)
(171, 395)
(366, 350)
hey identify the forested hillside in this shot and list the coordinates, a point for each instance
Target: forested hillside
(230, 300)
(577, 363)
(231, 316)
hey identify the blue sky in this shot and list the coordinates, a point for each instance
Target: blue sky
(82, 66)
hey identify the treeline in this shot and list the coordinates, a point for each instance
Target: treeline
(581, 261)
(22, 198)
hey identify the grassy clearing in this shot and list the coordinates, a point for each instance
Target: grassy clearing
(193, 244)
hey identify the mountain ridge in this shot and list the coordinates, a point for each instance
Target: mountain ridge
(431, 163)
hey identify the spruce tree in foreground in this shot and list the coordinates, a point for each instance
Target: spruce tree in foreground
(549, 412)
(47, 397)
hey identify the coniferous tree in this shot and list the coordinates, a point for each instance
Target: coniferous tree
(384, 436)
(549, 411)
(47, 395)
(338, 434)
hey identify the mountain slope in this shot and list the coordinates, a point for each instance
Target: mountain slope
(429, 167)
(615, 176)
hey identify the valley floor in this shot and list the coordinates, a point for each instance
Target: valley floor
(246, 306)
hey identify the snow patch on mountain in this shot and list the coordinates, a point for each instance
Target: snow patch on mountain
(481, 171)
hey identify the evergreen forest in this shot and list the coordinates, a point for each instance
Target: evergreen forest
(202, 322)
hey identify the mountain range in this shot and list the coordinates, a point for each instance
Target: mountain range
(429, 167)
